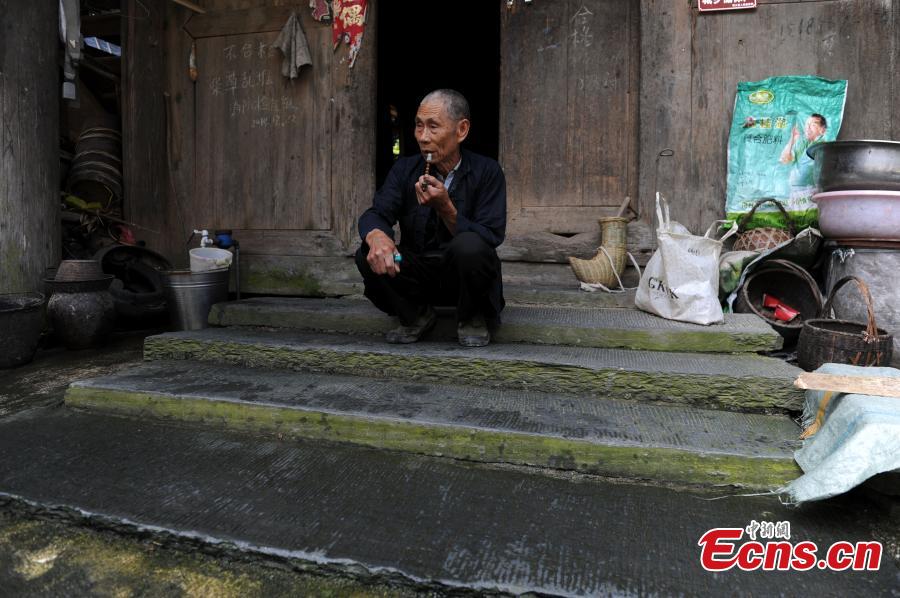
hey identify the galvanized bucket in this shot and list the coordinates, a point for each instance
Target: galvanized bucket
(190, 295)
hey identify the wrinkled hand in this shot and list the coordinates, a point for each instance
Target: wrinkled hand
(381, 253)
(432, 193)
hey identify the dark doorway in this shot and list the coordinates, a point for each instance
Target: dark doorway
(433, 44)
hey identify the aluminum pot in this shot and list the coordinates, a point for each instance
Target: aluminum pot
(856, 165)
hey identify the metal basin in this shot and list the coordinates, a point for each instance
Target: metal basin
(857, 165)
(859, 215)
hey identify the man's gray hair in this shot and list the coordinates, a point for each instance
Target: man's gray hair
(457, 106)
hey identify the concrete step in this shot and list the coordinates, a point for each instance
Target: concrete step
(611, 328)
(566, 297)
(709, 381)
(606, 437)
(556, 296)
(433, 525)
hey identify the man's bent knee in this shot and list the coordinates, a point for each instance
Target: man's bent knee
(469, 245)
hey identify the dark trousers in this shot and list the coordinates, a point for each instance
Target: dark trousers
(461, 275)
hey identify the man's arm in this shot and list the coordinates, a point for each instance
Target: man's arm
(431, 192)
(489, 218)
(376, 225)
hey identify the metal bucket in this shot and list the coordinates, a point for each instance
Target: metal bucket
(190, 295)
(21, 322)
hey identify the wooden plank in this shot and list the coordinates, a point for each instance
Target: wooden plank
(190, 5)
(144, 160)
(548, 247)
(262, 142)
(29, 145)
(351, 163)
(568, 107)
(533, 90)
(666, 104)
(864, 385)
(183, 211)
(290, 242)
(239, 22)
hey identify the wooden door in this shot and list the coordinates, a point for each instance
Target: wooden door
(264, 146)
(568, 103)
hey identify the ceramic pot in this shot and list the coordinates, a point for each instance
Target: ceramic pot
(82, 313)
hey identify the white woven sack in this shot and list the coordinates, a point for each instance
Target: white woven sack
(681, 280)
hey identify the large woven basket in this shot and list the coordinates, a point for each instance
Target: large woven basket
(763, 238)
(603, 269)
(841, 341)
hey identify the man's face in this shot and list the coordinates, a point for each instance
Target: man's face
(437, 133)
(814, 128)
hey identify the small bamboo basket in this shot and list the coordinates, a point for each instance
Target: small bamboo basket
(606, 266)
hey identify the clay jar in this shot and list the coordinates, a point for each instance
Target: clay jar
(82, 310)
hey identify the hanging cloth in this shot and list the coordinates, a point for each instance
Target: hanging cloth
(293, 45)
(321, 10)
(349, 25)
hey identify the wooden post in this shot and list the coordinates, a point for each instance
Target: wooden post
(29, 143)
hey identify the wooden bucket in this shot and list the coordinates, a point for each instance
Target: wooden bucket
(96, 171)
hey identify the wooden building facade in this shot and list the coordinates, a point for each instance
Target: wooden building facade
(595, 100)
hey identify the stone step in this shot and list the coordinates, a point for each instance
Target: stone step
(613, 438)
(709, 381)
(430, 525)
(553, 296)
(611, 328)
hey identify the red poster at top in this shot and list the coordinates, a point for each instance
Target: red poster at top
(711, 5)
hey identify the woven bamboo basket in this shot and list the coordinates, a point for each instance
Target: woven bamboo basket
(601, 269)
(842, 341)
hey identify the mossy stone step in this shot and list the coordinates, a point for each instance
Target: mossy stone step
(730, 382)
(614, 438)
(610, 328)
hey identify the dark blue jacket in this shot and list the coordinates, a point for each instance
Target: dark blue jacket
(478, 191)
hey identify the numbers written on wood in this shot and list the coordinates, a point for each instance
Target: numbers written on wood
(247, 89)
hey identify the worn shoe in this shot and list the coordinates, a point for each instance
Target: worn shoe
(474, 332)
(410, 334)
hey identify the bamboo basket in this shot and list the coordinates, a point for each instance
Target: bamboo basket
(841, 341)
(602, 268)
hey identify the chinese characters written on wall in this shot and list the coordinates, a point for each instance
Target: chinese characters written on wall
(247, 87)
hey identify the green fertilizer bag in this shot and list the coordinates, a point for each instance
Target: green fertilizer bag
(775, 121)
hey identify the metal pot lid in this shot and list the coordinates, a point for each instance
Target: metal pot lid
(852, 143)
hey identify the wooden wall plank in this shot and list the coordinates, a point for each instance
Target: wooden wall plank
(183, 211)
(238, 22)
(352, 133)
(838, 39)
(29, 144)
(569, 104)
(666, 103)
(144, 139)
(262, 140)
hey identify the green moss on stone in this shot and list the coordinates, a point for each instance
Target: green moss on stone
(299, 282)
(634, 462)
(752, 393)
